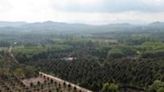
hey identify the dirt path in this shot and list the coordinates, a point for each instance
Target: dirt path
(58, 80)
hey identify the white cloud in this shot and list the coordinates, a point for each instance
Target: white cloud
(153, 2)
(4, 6)
(71, 5)
(43, 10)
(83, 1)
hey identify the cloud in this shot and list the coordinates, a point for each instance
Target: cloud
(153, 2)
(83, 11)
(77, 5)
(4, 6)
(83, 1)
(110, 5)
(135, 5)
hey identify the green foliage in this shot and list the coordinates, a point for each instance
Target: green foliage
(110, 87)
(29, 50)
(161, 89)
(115, 53)
(94, 64)
(19, 72)
(157, 86)
(152, 46)
(130, 57)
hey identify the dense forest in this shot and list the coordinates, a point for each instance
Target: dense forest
(108, 58)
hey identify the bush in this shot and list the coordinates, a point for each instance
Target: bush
(157, 86)
(110, 87)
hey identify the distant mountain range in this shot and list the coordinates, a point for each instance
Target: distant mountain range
(58, 27)
(11, 24)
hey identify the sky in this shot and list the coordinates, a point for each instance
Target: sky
(83, 11)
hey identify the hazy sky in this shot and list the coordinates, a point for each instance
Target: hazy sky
(83, 11)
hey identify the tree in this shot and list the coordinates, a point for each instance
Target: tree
(160, 89)
(157, 86)
(110, 87)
